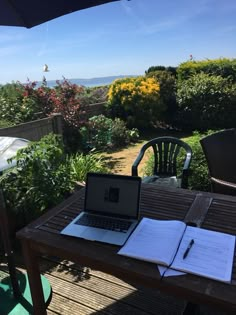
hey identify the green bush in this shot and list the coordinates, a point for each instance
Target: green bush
(43, 176)
(40, 179)
(206, 102)
(11, 96)
(226, 68)
(136, 101)
(100, 131)
(10, 110)
(22, 102)
(198, 179)
(103, 133)
(5, 123)
(171, 70)
(82, 164)
(167, 83)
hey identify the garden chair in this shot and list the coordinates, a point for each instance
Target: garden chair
(170, 154)
(220, 152)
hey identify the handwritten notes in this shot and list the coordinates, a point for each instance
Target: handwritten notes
(165, 242)
(211, 254)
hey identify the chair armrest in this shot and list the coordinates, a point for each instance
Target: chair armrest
(223, 182)
(185, 171)
(187, 162)
(134, 170)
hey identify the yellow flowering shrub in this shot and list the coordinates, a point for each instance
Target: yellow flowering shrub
(136, 100)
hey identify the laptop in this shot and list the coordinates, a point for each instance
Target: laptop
(111, 209)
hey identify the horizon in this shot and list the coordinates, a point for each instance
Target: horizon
(119, 37)
(87, 82)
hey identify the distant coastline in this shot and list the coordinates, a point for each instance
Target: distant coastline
(89, 82)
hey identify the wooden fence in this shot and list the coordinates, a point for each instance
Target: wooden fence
(95, 109)
(36, 129)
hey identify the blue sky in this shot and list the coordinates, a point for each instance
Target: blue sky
(124, 37)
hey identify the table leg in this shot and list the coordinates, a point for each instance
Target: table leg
(32, 267)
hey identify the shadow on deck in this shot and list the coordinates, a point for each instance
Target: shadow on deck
(80, 290)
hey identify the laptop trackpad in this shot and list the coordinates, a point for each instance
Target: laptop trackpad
(93, 234)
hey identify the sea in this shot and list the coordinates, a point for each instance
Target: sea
(100, 81)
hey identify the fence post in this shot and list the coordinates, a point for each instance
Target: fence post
(57, 124)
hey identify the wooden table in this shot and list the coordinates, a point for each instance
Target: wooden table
(211, 211)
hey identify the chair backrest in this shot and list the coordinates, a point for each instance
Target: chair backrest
(166, 150)
(220, 152)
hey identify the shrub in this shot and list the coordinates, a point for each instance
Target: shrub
(40, 179)
(167, 83)
(82, 164)
(206, 102)
(22, 102)
(171, 70)
(198, 179)
(5, 123)
(11, 103)
(136, 101)
(27, 100)
(223, 67)
(63, 99)
(100, 131)
(120, 135)
(103, 133)
(67, 102)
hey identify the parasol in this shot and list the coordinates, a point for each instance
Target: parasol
(28, 13)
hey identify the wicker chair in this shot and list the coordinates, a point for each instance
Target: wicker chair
(220, 152)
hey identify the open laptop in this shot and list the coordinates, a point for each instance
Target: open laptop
(111, 209)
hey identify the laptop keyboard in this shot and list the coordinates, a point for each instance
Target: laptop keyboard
(104, 223)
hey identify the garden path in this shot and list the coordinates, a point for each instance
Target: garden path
(121, 161)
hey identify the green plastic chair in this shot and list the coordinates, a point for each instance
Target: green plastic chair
(168, 151)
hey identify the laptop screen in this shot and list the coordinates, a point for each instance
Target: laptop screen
(115, 195)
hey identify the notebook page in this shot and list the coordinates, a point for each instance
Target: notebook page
(211, 255)
(154, 240)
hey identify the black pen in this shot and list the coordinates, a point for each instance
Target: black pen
(188, 249)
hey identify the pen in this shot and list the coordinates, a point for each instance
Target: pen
(188, 249)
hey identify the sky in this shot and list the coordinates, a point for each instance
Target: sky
(119, 38)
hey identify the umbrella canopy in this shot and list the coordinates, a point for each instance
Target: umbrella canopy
(29, 13)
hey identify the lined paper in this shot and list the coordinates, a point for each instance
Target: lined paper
(210, 256)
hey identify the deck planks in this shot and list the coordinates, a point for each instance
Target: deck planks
(82, 291)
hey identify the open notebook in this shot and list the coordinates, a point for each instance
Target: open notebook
(185, 248)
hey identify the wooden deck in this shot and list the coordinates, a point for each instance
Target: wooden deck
(82, 291)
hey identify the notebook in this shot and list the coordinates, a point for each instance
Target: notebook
(111, 209)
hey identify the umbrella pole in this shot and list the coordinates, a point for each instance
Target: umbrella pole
(7, 246)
